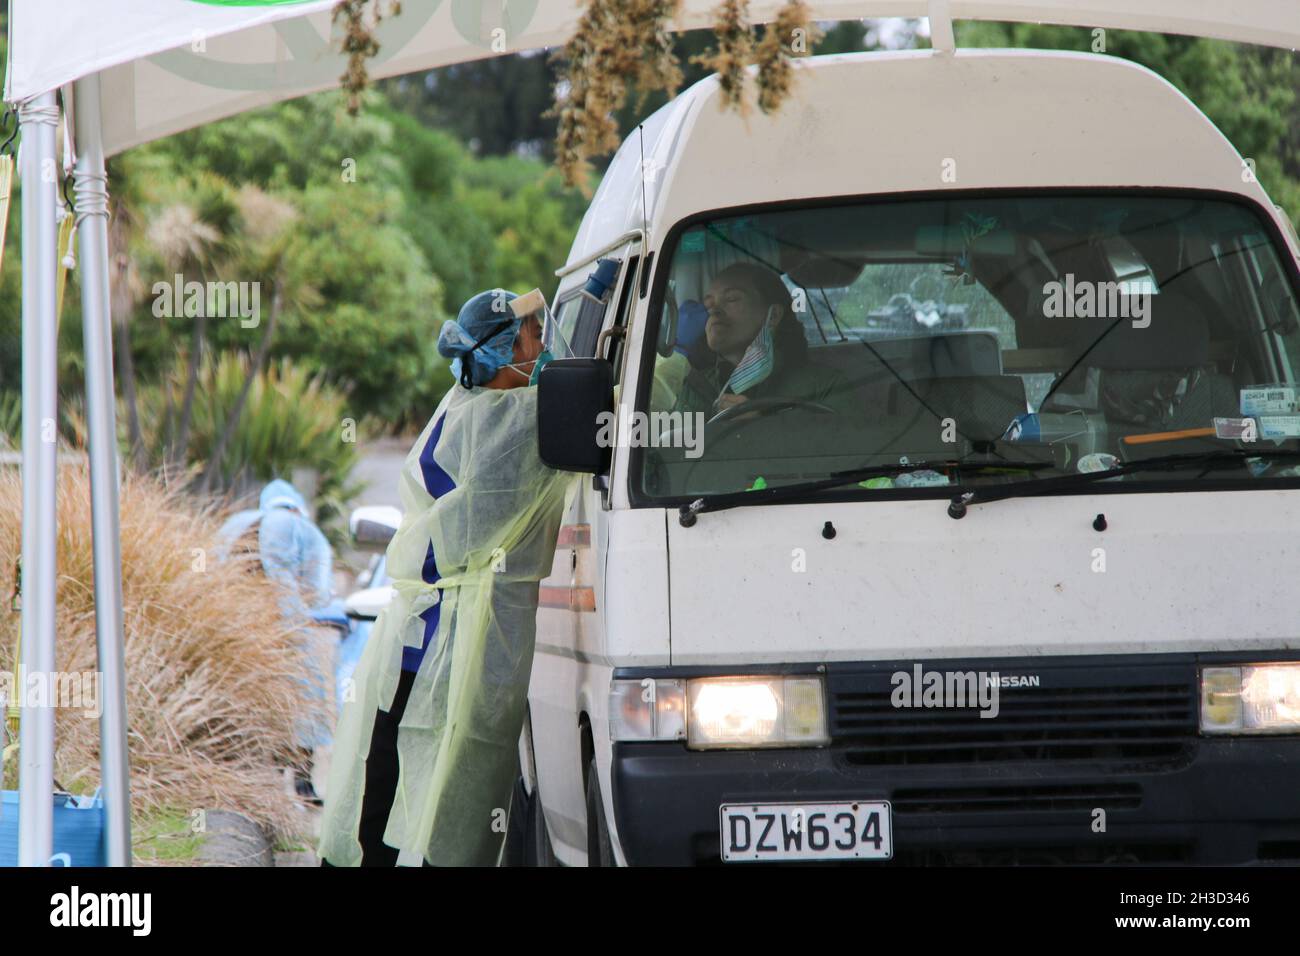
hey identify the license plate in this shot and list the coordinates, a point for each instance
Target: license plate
(806, 831)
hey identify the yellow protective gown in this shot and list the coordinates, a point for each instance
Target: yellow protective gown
(494, 539)
(669, 375)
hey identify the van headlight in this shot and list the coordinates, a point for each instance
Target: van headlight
(721, 712)
(1251, 699)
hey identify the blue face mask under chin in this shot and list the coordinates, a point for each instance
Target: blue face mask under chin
(543, 357)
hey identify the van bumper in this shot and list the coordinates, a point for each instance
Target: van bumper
(1231, 801)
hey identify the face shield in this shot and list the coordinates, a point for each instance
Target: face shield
(533, 304)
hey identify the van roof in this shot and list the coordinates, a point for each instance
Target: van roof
(913, 121)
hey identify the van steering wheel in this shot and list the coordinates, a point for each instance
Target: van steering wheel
(730, 418)
(765, 406)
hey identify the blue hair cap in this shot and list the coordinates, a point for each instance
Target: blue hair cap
(481, 339)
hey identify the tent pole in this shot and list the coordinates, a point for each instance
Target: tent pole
(96, 318)
(38, 118)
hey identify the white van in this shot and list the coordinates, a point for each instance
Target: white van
(988, 549)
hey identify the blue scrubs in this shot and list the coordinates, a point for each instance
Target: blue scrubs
(437, 483)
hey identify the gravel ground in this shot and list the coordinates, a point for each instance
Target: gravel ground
(306, 856)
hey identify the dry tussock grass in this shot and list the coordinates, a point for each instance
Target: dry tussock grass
(214, 678)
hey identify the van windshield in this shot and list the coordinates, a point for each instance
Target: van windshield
(1052, 334)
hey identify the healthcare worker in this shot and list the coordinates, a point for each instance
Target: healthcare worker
(291, 549)
(427, 750)
(295, 555)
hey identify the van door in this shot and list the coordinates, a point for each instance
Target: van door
(570, 637)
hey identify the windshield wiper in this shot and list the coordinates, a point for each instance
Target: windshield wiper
(1047, 486)
(805, 489)
(999, 492)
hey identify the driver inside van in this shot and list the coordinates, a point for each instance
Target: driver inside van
(750, 348)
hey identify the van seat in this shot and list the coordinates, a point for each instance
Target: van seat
(948, 354)
(1123, 372)
(874, 366)
(980, 406)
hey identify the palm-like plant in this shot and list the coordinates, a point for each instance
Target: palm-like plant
(290, 419)
(126, 291)
(184, 242)
(11, 418)
(263, 245)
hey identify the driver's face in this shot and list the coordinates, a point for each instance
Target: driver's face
(735, 315)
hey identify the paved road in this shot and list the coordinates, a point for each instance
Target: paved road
(380, 463)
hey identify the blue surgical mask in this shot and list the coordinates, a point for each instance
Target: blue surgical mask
(542, 358)
(758, 360)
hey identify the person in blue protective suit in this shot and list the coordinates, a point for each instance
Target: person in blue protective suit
(292, 550)
(426, 754)
(294, 554)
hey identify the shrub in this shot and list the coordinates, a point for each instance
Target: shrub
(291, 419)
(214, 676)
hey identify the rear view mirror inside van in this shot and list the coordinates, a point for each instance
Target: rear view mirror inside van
(955, 240)
(575, 400)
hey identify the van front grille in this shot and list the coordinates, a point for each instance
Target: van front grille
(1058, 712)
(1000, 798)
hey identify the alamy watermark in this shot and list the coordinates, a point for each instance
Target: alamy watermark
(633, 429)
(75, 908)
(72, 690)
(949, 689)
(210, 300)
(1071, 299)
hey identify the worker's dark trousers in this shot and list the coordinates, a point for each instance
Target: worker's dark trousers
(381, 780)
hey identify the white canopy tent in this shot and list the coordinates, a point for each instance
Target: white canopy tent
(144, 69)
(169, 65)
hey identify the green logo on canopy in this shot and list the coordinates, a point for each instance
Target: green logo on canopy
(313, 57)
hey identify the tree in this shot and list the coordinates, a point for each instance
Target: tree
(496, 106)
(499, 106)
(266, 240)
(1250, 93)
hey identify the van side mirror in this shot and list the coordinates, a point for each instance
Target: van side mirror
(573, 395)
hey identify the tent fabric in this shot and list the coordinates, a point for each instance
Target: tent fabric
(170, 65)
